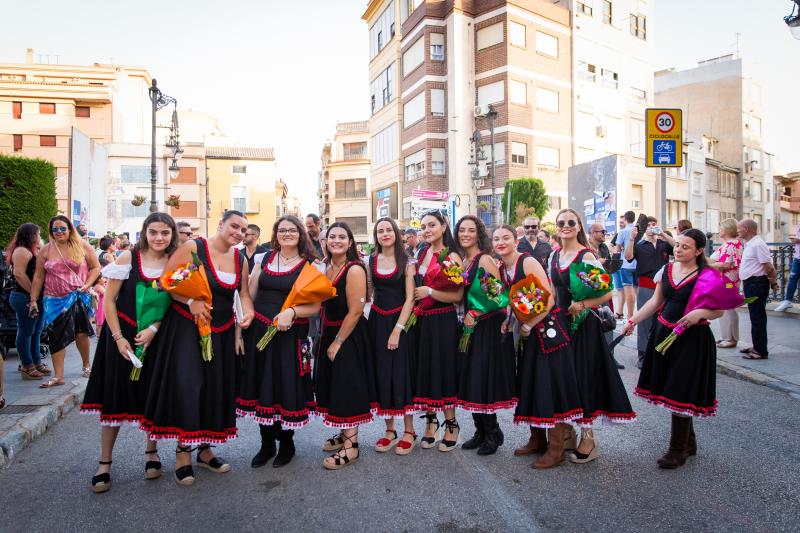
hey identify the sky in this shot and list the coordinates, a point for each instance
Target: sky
(281, 74)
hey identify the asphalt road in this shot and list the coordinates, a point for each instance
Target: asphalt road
(744, 478)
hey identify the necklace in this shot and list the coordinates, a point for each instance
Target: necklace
(335, 269)
(286, 260)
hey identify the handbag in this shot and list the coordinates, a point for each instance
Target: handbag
(608, 321)
(614, 263)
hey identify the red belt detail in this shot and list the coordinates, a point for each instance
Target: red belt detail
(126, 318)
(262, 318)
(435, 311)
(647, 282)
(386, 312)
(332, 323)
(188, 316)
(183, 312)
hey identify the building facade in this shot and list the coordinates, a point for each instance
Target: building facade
(787, 188)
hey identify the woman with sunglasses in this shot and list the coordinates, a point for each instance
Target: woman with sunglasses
(600, 387)
(436, 382)
(486, 382)
(66, 269)
(276, 382)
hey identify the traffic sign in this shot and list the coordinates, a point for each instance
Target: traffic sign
(664, 138)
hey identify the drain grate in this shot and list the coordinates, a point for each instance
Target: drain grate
(18, 409)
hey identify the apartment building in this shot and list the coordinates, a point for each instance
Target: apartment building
(344, 180)
(435, 68)
(722, 113)
(788, 211)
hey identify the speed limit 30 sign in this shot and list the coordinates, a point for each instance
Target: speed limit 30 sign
(664, 138)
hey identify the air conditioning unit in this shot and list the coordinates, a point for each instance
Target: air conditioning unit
(600, 130)
(480, 111)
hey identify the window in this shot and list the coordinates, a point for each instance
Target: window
(414, 165)
(636, 137)
(437, 46)
(185, 175)
(238, 169)
(636, 196)
(135, 174)
(517, 34)
(437, 161)
(518, 92)
(554, 203)
(696, 185)
(135, 211)
(239, 198)
(587, 71)
(354, 151)
(47, 140)
(47, 109)
(17, 142)
(384, 146)
(383, 28)
(584, 7)
(358, 225)
(754, 159)
(382, 88)
(414, 110)
(546, 44)
(639, 94)
(769, 195)
(755, 126)
(437, 102)
(490, 36)
(756, 190)
(608, 12)
(499, 154)
(639, 26)
(351, 188)
(548, 157)
(414, 56)
(82, 111)
(546, 100)
(17, 109)
(491, 93)
(609, 78)
(746, 187)
(519, 153)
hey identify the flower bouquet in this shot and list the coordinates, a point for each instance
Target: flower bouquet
(485, 295)
(443, 274)
(587, 281)
(151, 306)
(311, 286)
(190, 281)
(712, 291)
(528, 298)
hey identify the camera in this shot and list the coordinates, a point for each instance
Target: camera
(656, 230)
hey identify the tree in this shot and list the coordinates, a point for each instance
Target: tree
(27, 194)
(528, 192)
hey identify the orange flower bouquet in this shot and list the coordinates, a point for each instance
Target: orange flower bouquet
(528, 297)
(311, 286)
(190, 281)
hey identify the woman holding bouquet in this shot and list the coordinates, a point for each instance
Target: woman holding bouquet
(486, 381)
(392, 279)
(683, 379)
(276, 384)
(192, 399)
(343, 377)
(547, 386)
(599, 384)
(436, 381)
(111, 392)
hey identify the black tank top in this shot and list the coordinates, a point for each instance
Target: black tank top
(273, 288)
(390, 289)
(676, 294)
(560, 278)
(30, 269)
(335, 309)
(519, 271)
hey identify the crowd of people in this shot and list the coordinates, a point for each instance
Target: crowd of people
(357, 356)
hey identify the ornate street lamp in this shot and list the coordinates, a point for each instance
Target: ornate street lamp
(159, 101)
(477, 155)
(793, 20)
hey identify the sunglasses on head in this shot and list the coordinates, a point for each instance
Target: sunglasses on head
(571, 223)
(531, 226)
(59, 229)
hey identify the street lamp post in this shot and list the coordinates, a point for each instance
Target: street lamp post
(160, 100)
(793, 19)
(491, 116)
(477, 156)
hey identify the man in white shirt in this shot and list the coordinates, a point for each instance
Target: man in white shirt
(758, 275)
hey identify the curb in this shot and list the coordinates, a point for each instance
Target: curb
(759, 378)
(35, 424)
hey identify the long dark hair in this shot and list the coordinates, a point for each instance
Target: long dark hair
(304, 247)
(352, 252)
(164, 219)
(699, 239)
(447, 236)
(484, 244)
(400, 257)
(581, 232)
(26, 236)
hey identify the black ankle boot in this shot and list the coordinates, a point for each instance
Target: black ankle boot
(268, 447)
(480, 434)
(494, 436)
(286, 451)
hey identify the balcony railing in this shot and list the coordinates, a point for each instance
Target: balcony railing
(351, 195)
(253, 208)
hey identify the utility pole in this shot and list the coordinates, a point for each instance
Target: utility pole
(491, 116)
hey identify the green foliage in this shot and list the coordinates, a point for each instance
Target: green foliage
(530, 193)
(27, 194)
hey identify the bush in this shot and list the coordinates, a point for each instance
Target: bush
(528, 197)
(27, 194)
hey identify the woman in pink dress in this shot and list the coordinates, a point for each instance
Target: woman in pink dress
(727, 259)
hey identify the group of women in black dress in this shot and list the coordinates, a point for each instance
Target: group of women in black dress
(552, 378)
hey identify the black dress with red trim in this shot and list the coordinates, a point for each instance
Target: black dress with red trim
(547, 387)
(110, 391)
(602, 393)
(486, 379)
(345, 387)
(191, 400)
(684, 379)
(394, 369)
(437, 334)
(276, 382)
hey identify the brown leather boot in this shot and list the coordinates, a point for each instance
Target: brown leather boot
(678, 443)
(536, 444)
(554, 455)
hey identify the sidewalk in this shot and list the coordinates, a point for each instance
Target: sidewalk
(29, 410)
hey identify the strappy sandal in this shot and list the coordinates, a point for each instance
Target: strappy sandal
(87, 371)
(52, 382)
(2, 402)
(44, 369)
(152, 469)
(214, 464)
(101, 482)
(30, 373)
(185, 474)
(430, 442)
(754, 356)
(340, 461)
(333, 444)
(450, 424)
(384, 444)
(404, 447)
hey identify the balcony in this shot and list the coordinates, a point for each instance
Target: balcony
(350, 195)
(253, 208)
(790, 203)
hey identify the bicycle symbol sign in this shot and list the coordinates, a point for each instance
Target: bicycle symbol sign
(664, 139)
(664, 152)
(665, 122)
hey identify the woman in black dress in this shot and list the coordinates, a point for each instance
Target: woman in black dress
(683, 379)
(547, 386)
(343, 377)
(276, 382)
(110, 391)
(437, 333)
(391, 276)
(599, 384)
(486, 380)
(191, 400)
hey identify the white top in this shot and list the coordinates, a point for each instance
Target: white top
(115, 271)
(385, 271)
(756, 255)
(229, 278)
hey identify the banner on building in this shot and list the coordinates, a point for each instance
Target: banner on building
(593, 191)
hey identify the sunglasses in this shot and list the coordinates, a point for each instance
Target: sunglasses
(532, 226)
(571, 223)
(600, 231)
(59, 229)
(187, 233)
